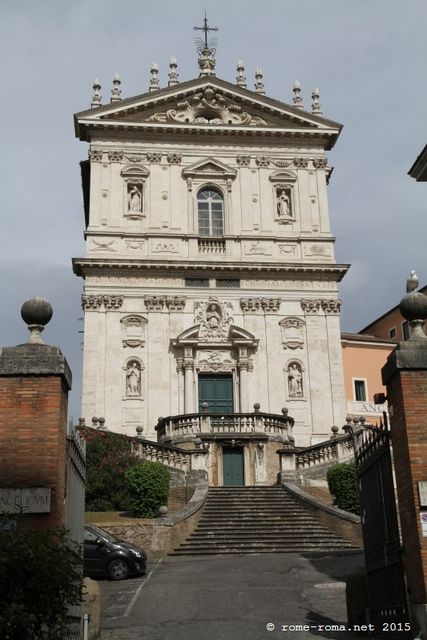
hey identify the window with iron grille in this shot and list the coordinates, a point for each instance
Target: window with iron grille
(228, 283)
(210, 208)
(197, 282)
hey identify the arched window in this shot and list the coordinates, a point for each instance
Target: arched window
(210, 207)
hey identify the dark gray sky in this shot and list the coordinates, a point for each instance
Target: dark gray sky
(367, 58)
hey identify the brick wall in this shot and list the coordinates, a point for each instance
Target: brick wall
(33, 425)
(407, 394)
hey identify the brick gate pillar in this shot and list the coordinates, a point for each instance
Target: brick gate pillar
(34, 383)
(405, 375)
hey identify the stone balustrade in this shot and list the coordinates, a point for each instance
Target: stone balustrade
(169, 456)
(211, 245)
(338, 449)
(186, 427)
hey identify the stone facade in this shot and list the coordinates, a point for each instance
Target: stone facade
(168, 299)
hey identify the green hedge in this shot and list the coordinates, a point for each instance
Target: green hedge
(148, 487)
(342, 483)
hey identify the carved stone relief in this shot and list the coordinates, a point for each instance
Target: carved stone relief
(133, 374)
(301, 163)
(292, 333)
(96, 302)
(133, 331)
(207, 107)
(103, 245)
(174, 158)
(310, 305)
(317, 250)
(331, 306)
(164, 247)
(288, 249)
(134, 158)
(95, 156)
(214, 318)
(115, 156)
(134, 244)
(243, 161)
(266, 305)
(154, 158)
(155, 303)
(257, 248)
(215, 361)
(175, 303)
(262, 161)
(320, 163)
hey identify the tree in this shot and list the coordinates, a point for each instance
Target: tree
(108, 456)
(40, 577)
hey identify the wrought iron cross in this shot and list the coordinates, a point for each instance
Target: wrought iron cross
(205, 28)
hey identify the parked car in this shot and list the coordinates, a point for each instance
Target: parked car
(104, 555)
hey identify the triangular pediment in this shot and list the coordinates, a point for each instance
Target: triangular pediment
(209, 167)
(204, 104)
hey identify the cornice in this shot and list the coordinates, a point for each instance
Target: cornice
(91, 266)
(188, 236)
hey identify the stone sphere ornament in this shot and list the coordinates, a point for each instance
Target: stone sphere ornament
(36, 313)
(163, 511)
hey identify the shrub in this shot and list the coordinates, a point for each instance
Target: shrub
(343, 486)
(40, 576)
(108, 456)
(148, 486)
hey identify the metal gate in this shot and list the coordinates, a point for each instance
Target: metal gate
(383, 551)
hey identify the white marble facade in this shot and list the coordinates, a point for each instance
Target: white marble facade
(167, 298)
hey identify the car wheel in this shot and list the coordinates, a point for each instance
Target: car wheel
(118, 569)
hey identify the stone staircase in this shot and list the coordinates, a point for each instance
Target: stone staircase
(247, 520)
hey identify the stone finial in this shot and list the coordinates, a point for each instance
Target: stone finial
(241, 78)
(101, 424)
(82, 422)
(154, 80)
(315, 104)
(259, 81)
(205, 407)
(413, 308)
(257, 407)
(36, 313)
(173, 73)
(116, 92)
(94, 422)
(96, 98)
(334, 430)
(139, 431)
(298, 104)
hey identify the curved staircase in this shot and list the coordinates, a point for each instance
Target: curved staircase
(247, 520)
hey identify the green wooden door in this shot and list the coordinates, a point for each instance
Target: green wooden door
(233, 469)
(217, 391)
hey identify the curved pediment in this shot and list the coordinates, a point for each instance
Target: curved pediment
(195, 336)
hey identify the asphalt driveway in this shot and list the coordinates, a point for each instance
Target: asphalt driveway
(232, 598)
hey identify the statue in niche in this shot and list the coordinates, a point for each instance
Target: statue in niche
(283, 204)
(213, 316)
(295, 388)
(133, 379)
(134, 199)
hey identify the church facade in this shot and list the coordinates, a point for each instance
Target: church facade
(210, 278)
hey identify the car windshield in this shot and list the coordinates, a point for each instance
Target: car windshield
(103, 534)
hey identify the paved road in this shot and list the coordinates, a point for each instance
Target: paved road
(231, 598)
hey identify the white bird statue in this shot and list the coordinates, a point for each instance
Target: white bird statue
(412, 282)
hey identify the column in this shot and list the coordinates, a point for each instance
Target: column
(188, 381)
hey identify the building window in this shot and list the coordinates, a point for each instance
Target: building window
(406, 329)
(228, 283)
(392, 333)
(360, 390)
(210, 208)
(197, 282)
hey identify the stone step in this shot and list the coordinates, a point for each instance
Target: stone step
(248, 520)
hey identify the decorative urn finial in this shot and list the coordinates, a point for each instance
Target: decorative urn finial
(116, 91)
(297, 95)
(154, 80)
(413, 308)
(36, 313)
(173, 73)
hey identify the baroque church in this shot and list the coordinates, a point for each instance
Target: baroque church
(210, 295)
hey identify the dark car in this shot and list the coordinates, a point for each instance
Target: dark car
(104, 555)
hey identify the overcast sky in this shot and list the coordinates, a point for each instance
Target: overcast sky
(367, 58)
